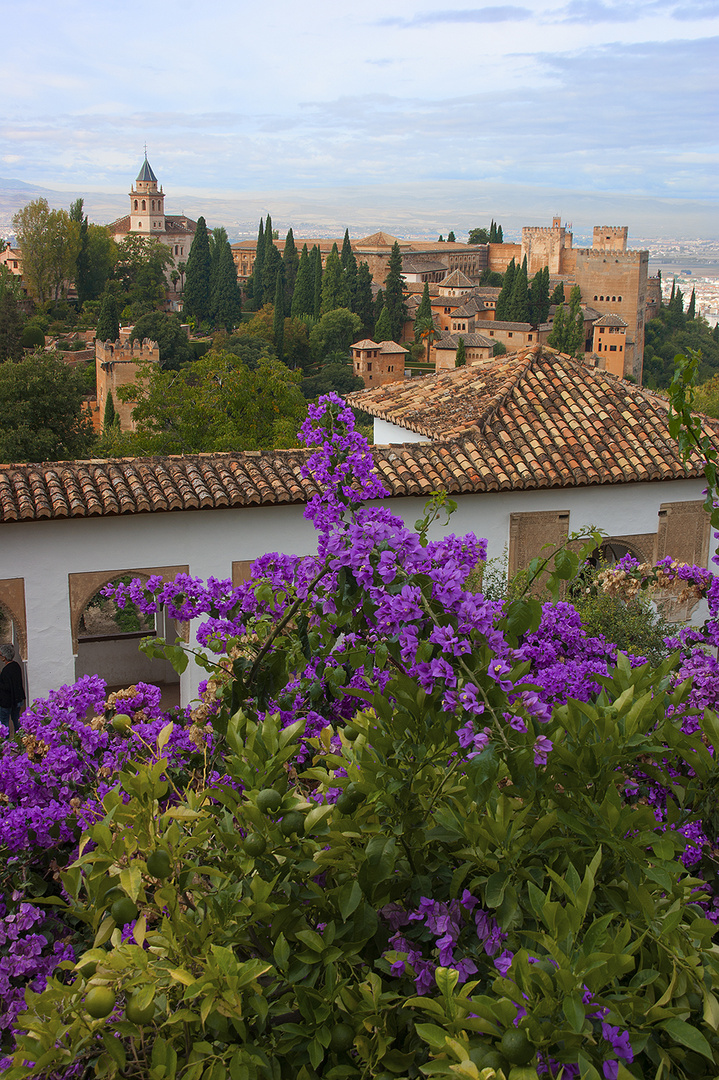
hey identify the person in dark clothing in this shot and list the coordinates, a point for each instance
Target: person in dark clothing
(12, 691)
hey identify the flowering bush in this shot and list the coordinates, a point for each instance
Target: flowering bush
(425, 833)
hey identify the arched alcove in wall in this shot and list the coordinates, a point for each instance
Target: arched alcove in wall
(106, 638)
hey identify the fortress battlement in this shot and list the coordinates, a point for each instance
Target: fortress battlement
(609, 255)
(113, 352)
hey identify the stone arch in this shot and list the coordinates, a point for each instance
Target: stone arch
(12, 605)
(85, 585)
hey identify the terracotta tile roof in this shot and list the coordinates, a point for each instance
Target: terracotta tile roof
(391, 347)
(530, 420)
(366, 343)
(451, 341)
(610, 320)
(535, 419)
(456, 280)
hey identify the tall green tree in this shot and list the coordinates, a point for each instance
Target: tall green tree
(692, 309)
(108, 323)
(333, 334)
(451, 237)
(317, 281)
(11, 324)
(335, 293)
(217, 239)
(254, 284)
(110, 414)
(539, 297)
(171, 337)
(424, 311)
(479, 236)
(519, 301)
(364, 302)
(303, 298)
(42, 405)
(557, 334)
(197, 296)
(272, 265)
(425, 331)
(279, 315)
(394, 294)
(383, 326)
(228, 296)
(461, 357)
(49, 240)
(558, 296)
(347, 252)
(504, 300)
(291, 264)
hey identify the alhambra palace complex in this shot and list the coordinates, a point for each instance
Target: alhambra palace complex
(618, 296)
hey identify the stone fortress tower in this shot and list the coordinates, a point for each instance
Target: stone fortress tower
(116, 365)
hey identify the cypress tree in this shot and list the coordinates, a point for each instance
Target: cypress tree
(11, 325)
(501, 312)
(109, 418)
(197, 298)
(378, 304)
(364, 303)
(674, 289)
(278, 321)
(461, 358)
(557, 337)
(383, 329)
(228, 297)
(451, 238)
(334, 287)
(692, 309)
(544, 312)
(519, 301)
(347, 252)
(558, 296)
(493, 232)
(108, 323)
(254, 285)
(272, 263)
(500, 235)
(303, 298)
(82, 265)
(424, 311)
(394, 293)
(317, 281)
(350, 274)
(291, 263)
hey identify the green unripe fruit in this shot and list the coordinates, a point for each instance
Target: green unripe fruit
(159, 863)
(124, 911)
(88, 969)
(293, 822)
(268, 800)
(342, 1038)
(121, 723)
(100, 1001)
(254, 844)
(351, 731)
(112, 895)
(516, 1047)
(137, 1014)
(493, 1060)
(346, 804)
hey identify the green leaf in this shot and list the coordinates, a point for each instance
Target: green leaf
(281, 952)
(688, 1036)
(573, 1009)
(433, 1035)
(348, 898)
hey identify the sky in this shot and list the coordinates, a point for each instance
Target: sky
(589, 97)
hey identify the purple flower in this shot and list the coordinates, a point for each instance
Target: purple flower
(503, 962)
(619, 1041)
(542, 747)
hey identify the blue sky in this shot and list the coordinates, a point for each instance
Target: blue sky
(585, 96)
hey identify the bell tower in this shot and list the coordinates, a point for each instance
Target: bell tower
(147, 204)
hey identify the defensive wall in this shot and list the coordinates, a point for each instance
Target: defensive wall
(116, 365)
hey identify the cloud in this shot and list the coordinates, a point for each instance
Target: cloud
(468, 15)
(590, 12)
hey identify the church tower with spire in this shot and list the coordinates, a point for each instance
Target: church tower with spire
(147, 204)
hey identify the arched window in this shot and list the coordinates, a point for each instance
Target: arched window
(143, 204)
(136, 204)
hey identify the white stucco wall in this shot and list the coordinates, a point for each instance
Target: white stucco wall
(386, 432)
(44, 553)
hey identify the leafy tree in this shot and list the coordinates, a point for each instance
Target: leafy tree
(364, 302)
(96, 259)
(567, 333)
(296, 344)
(42, 404)
(197, 297)
(170, 335)
(228, 296)
(461, 356)
(671, 333)
(394, 294)
(383, 327)
(504, 300)
(215, 404)
(278, 326)
(335, 293)
(499, 349)
(478, 236)
(140, 269)
(303, 298)
(332, 377)
(492, 278)
(49, 240)
(11, 319)
(557, 336)
(451, 238)
(334, 333)
(291, 263)
(108, 323)
(425, 330)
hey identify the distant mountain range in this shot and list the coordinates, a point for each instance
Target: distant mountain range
(420, 210)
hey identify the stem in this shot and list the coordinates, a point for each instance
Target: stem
(286, 618)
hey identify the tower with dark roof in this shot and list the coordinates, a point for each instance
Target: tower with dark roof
(147, 203)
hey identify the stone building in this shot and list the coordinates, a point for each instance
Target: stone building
(378, 362)
(147, 217)
(609, 343)
(116, 365)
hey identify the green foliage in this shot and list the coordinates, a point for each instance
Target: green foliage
(632, 625)
(671, 333)
(383, 326)
(291, 263)
(12, 330)
(303, 299)
(364, 301)
(50, 241)
(394, 295)
(108, 322)
(478, 236)
(335, 291)
(110, 415)
(504, 300)
(333, 376)
(140, 273)
(558, 296)
(170, 335)
(424, 311)
(278, 325)
(42, 409)
(334, 333)
(215, 404)
(227, 303)
(461, 357)
(499, 349)
(567, 333)
(197, 299)
(518, 309)
(451, 239)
